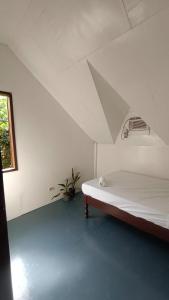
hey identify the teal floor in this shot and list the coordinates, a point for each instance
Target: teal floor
(57, 254)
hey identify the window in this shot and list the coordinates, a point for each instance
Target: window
(7, 134)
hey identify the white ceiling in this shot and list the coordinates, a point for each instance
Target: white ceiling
(140, 10)
(56, 38)
(114, 107)
(63, 31)
(137, 67)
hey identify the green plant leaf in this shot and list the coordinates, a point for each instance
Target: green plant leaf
(77, 177)
(56, 196)
(73, 176)
(61, 184)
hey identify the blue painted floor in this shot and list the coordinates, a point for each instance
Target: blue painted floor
(57, 254)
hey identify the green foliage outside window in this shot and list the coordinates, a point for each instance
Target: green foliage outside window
(4, 133)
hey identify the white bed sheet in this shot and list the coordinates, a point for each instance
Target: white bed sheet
(140, 195)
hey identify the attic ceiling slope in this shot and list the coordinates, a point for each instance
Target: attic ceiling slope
(11, 13)
(141, 10)
(136, 65)
(67, 31)
(114, 107)
(76, 92)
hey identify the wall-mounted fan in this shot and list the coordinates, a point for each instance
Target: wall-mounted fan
(134, 124)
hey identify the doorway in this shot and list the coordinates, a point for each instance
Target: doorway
(5, 270)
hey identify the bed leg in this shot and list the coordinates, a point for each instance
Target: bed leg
(86, 209)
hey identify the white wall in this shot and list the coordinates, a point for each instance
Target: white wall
(150, 160)
(48, 141)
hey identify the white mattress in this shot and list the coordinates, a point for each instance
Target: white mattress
(140, 195)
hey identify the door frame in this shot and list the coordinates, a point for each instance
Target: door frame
(5, 268)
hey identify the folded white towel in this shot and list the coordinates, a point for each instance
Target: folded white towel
(102, 181)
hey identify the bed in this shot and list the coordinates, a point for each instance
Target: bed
(139, 200)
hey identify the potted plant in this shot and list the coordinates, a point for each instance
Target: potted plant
(68, 188)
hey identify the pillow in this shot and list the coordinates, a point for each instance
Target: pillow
(102, 181)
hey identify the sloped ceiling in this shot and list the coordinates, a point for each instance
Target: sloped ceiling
(114, 107)
(140, 10)
(77, 93)
(125, 41)
(137, 67)
(66, 31)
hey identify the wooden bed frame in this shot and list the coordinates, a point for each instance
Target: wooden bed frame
(139, 223)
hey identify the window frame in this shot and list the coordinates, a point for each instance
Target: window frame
(12, 132)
